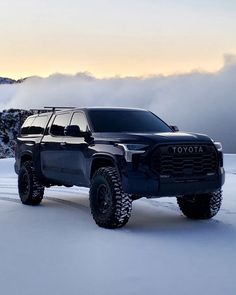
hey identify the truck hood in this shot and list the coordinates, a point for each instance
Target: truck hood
(152, 138)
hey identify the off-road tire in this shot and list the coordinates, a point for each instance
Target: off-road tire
(202, 206)
(30, 190)
(117, 205)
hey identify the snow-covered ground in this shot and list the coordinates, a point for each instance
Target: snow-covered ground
(56, 248)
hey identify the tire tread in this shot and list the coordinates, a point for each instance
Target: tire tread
(205, 206)
(122, 205)
(36, 189)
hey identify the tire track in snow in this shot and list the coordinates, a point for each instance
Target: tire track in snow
(15, 197)
(7, 199)
(168, 205)
(57, 200)
(68, 203)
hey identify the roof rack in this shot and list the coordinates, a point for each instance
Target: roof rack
(39, 111)
(51, 109)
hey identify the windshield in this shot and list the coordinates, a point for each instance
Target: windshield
(133, 121)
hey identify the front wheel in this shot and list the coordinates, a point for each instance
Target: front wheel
(201, 206)
(110, 206)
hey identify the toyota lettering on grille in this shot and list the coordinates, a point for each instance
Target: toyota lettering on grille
(187, 149)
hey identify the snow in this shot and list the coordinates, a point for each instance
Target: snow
(56, 248)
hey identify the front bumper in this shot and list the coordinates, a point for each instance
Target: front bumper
(151, 186)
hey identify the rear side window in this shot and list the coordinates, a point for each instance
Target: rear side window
(26, 125)
(59, 123)
(80, 120)
(38, 126)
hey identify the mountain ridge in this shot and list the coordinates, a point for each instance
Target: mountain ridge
(6, 80)
(10, 124)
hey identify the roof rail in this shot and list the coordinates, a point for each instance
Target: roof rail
(53, 109)
(39, 111)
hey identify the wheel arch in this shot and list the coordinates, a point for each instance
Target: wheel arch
(102, 160)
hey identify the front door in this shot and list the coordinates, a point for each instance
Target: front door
(77, 152)
(53, 149)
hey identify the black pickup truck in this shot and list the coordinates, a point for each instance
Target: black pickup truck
(121, 154)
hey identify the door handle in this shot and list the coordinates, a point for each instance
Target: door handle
(63, 143)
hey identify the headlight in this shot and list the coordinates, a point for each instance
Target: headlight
(131, 149)
(218, 146)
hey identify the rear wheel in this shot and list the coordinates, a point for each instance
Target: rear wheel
(30, 190)
(202, 206)
(110, 206)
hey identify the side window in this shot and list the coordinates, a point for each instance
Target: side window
(59, 123)
(80, 120)
(38, 125)
(26, 125)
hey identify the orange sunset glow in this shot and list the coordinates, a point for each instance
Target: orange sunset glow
(109, 38)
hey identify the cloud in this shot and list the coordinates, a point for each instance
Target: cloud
(197, 101)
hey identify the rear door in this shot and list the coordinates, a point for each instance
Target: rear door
(53, 150)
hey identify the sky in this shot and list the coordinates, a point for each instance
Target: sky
(115, 37)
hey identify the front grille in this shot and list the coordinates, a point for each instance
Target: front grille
(167, 162)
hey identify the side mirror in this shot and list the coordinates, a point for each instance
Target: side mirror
(73, 130)
(174, 128)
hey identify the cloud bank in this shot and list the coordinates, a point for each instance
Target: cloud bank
(198, 101)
